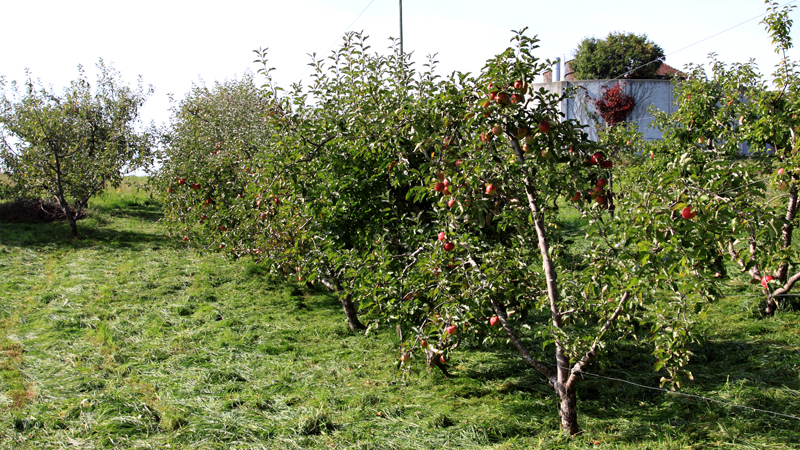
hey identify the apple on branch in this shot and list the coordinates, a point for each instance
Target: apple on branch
(544, 126)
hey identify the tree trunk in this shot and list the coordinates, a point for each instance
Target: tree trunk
(568, 409)
(769, 310)
(346, 300)
(350, 313)
(73, 225)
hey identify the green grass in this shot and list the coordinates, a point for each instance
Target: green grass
(126, 338)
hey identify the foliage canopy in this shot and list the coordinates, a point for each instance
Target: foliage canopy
(625, 55)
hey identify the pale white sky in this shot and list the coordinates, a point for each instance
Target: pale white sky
(173, 43)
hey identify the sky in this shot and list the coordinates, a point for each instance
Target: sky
(175, 43)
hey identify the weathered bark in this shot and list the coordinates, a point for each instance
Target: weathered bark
(73, 225)
(568, 409)
(346, 300)
(351, 313)
(434, 359)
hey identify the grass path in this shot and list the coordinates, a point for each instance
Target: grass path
(127, 339)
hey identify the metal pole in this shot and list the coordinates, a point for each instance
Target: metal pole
(401, 27)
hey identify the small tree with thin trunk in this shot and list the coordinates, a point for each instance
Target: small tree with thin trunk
(72, 146)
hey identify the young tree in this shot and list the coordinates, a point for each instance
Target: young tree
(625, 55)
(71, 146)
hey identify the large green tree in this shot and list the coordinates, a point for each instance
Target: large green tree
(72, 146)
(626, 55)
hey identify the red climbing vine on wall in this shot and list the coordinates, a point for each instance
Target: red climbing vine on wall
(614, 105)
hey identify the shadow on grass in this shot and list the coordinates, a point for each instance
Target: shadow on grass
(147, 210)
(56, 234)
(762, 375)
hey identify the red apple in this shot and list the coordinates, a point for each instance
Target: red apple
(449, 246)
(522, 132)
(277, 200)
(526, 147)
(458, 163)
(485, 137)
(169, 191)
(438, 187)
(423, 343)
(451, 202)
(687, 213)
(502, 98)
(597, 158)
(600, 199)
(491, 189)
(223, 228)
(185, 238)
(492, 95)
(516, 98)
(544, 126)
(519, 84)
(497, 130)
(602, 182)
(442, 236)
(441, 358)
(606, 164)
(196, 186)
(765, 280)
(182, 181)
(780, 171)
(405, 357)
(494, 321)
(452, 329)
(440, 176)
(576, 197)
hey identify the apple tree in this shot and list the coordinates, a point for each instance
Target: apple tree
(501, 264)
(215, 136)
(309, 182)
(734, 148)
(73, 145)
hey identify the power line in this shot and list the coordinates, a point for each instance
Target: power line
(700, 397)
(732, 405)
(345, 31)
(618, 77)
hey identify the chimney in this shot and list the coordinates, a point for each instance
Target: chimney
(558, 69)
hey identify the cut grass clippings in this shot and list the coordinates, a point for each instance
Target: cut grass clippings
(125, 338)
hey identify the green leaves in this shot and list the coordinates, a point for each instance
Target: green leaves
(70, 146)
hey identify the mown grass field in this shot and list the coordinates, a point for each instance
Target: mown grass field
(126, 338)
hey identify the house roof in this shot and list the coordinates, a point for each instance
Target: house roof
(667, 71)
(664, 71)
